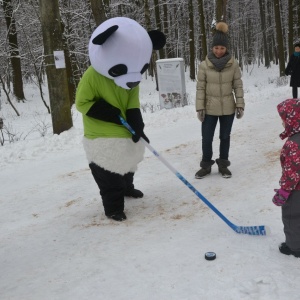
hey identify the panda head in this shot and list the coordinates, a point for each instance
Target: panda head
(120, 49)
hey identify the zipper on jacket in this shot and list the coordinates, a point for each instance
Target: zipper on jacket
(220, 78)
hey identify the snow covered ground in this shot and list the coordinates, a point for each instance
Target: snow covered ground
(56, 243)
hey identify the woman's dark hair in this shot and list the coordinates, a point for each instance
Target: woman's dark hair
(297, 45)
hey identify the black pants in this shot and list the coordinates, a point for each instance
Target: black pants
(208, 130)
(295, 92)
(112, 188)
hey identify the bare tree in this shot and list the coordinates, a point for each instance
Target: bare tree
(166, 30)
(7, 96)
(279, 38)
(202, 29)
(191, 41)
(297, 17)
(158, 25)
(253, 32)
(290, 26)
(221, 10)
(13, 49)
(147, 16)
(98, 9)
(57, 77)
(262, 10)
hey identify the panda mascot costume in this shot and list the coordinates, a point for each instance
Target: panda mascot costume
(119, 50)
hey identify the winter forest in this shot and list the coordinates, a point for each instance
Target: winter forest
(261, 32)
(56, 241)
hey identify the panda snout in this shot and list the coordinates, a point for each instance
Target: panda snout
(131, 85)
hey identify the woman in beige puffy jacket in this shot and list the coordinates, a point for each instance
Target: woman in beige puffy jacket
(219, 97)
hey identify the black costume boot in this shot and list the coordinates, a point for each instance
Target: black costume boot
(130, 191)
(117, 217)
(134, 193)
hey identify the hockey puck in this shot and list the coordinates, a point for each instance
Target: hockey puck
(210, 255)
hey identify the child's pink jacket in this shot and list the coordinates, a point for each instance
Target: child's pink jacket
(289, 111)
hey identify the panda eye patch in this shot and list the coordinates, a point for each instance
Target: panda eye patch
(145, 67)
(117, 70)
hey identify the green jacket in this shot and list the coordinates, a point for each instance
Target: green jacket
(219, 93)
(93, 86)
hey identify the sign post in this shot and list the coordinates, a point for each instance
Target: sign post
(171, 82)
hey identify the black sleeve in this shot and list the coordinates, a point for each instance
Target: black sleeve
(289, 68)
(104, 111)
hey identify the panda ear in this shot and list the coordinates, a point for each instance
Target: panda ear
(101, 38)
(158, 39)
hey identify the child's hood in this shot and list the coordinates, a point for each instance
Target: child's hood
(289, 111)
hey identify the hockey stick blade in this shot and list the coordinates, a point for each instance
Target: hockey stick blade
(251, 230)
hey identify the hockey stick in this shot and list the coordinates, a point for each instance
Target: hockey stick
(252, 230)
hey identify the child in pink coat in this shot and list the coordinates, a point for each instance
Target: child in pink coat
(288, 196)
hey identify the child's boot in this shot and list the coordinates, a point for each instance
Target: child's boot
(285, 249)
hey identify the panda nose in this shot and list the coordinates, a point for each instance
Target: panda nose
(131, 85)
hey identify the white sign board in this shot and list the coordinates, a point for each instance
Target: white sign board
(59, 59)
(171, 82)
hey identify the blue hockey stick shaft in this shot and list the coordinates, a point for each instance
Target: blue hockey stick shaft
(252, 230)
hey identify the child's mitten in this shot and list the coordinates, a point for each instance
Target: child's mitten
(280, 197)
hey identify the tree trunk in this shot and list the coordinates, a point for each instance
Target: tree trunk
(249, 42)
(244, 52)
(148, 27)
(270, 36)
(158, 25)
(66, 36)
(57, 77)
(166, 30)
(175, 33)
(290, 25)
(221, 10)
(224, 10)
(191, 41)
(14, 50)
(202, 30)
(98, 10)
(297, 8)
(262, 10)
(279, 38)
(147, 15)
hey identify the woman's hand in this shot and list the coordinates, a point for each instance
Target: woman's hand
(239, 112)
(201, 114)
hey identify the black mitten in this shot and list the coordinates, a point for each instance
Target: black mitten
(287, 72)
(135, 120)
(104, 111)
(136, 138)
